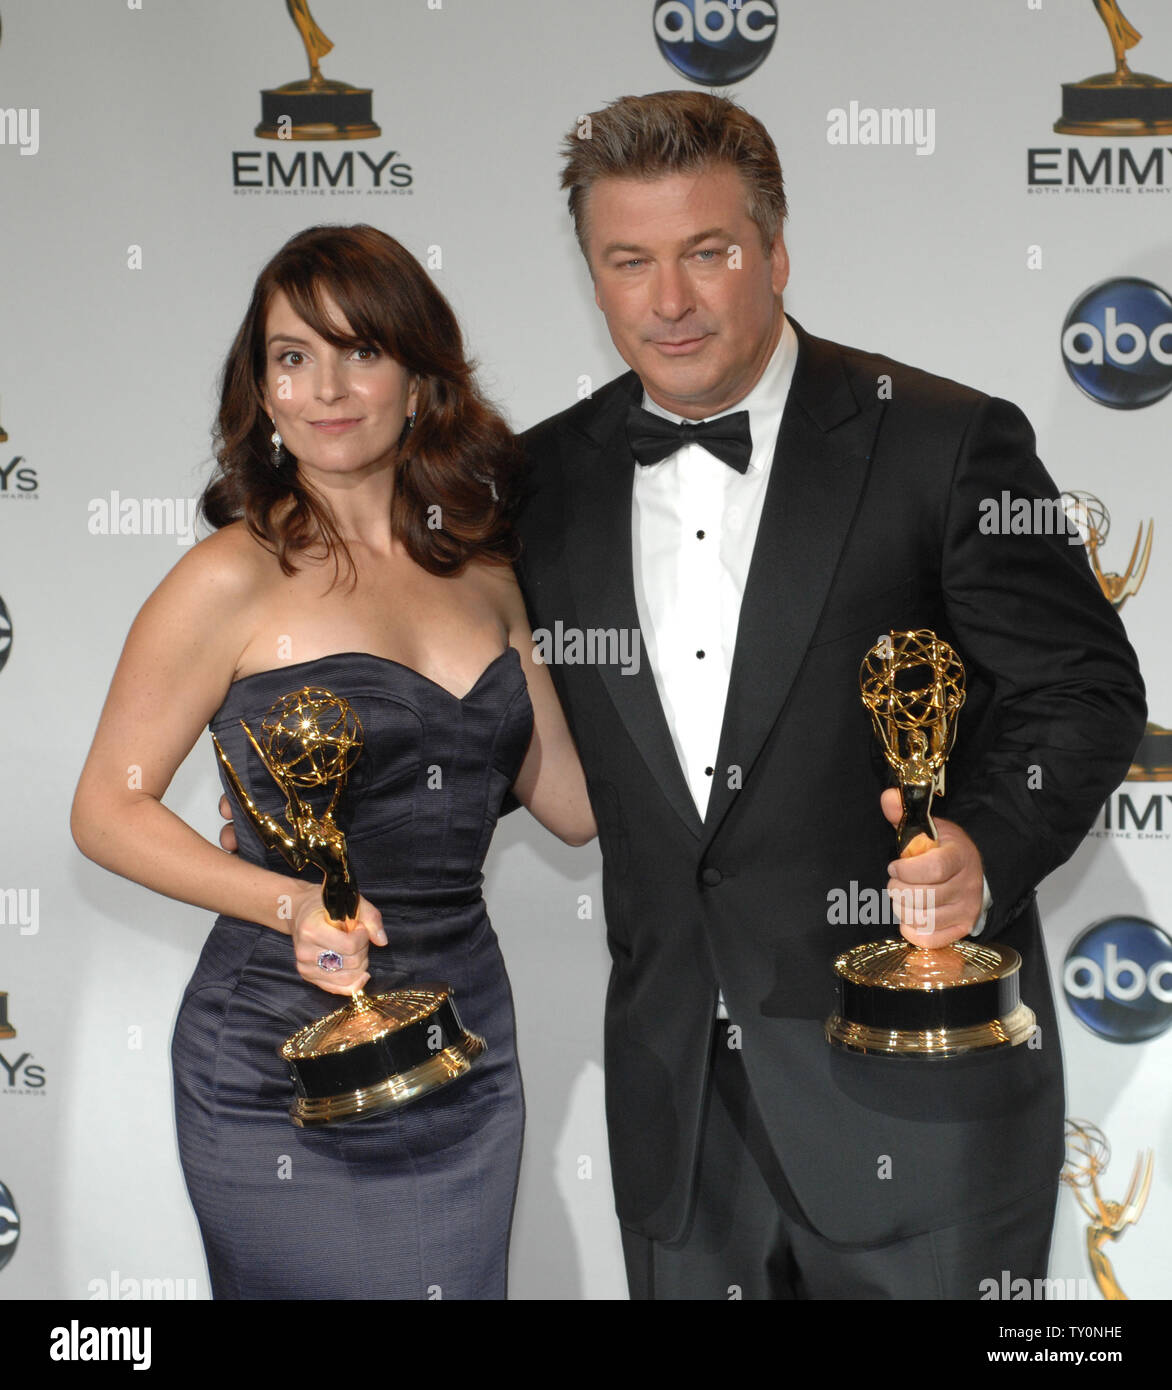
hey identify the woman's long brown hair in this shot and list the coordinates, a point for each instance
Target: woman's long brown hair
(460, 456)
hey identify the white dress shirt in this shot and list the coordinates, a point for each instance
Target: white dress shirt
(693, 530)
(694, 526)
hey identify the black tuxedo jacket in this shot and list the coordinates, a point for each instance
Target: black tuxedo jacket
(871, 521)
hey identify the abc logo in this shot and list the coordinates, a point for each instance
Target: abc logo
(9, 1226)
(1117, 343)
(1118, 979)
(715, 42)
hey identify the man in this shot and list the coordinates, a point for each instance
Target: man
(734, 776)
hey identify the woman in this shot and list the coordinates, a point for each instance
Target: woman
(361, 502)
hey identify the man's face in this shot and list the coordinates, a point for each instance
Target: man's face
(692, 301)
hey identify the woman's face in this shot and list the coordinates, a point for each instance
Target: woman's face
(340, 411)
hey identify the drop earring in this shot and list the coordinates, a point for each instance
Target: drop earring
(278, 447)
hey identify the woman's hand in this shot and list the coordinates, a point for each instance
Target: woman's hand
(313, 933)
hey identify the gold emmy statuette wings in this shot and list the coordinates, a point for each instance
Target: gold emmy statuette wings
(1092, 521)
(1123, 35)
(316, 43)
(308, 837)
(1118, 588)
(1108, 1219)
(315, 108)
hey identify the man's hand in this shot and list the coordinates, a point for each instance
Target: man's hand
(941, 891)
(227, 832)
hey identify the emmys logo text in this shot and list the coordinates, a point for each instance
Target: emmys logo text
(887, 125)
(21, 1076)
(16, 483)
(1117, 343)
(1118, 979)
(592, 646)
(353, 172)
(1110, 170)
(1127, 817)
(21, 907)
(143, 516)
(21, 126)
(715, 42)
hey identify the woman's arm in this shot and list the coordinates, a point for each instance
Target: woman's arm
(175, 669)
(551, 784)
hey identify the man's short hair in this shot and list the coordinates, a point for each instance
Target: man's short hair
(672, 133)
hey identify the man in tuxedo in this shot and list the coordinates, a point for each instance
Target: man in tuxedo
(830, 495)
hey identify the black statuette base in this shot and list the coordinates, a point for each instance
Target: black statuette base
(1102, 107)
(327, 112)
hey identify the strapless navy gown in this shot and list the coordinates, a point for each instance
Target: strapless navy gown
(414, 1203)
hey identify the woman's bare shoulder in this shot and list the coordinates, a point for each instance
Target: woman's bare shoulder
(499, 583)
(230, 563)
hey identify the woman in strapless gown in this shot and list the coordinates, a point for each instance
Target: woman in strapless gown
(362, 501)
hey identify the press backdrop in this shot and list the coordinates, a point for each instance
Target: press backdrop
(138, 206)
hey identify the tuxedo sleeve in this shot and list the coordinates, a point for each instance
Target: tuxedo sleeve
(1068, 708)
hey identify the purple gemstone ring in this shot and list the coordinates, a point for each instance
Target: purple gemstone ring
(329, 960)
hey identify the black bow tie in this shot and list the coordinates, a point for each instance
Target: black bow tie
(652, 438)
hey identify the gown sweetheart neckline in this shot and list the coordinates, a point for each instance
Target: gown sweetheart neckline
(386, 661)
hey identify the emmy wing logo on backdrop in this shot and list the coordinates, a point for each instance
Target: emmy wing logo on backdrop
(1153, 758)
(1120, 102)
(715, 42)
(1110, 105)
(1087, 1156)
(312, 109)
(6, 1028)
(315, 109)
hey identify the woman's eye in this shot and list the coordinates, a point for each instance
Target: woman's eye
(288, 356)
(366, 354)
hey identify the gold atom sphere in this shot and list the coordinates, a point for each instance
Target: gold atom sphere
(313, 736)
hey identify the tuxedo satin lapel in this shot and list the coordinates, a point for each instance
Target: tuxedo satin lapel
(599, 554)
(818, 471)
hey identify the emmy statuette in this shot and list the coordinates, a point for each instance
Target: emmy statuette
(315, 108)
(1120, 102)
(1087, 1156)
(1091, 519)
(379, 1051)
(897, 999)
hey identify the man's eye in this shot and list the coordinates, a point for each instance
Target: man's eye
(708, 253)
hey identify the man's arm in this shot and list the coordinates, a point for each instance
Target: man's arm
(1068, 708)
